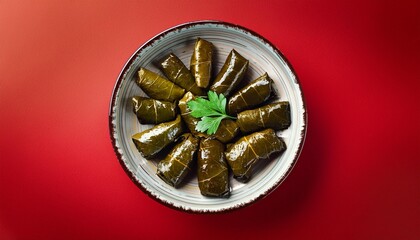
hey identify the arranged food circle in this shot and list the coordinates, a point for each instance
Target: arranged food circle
(209, 127)
(219, 118)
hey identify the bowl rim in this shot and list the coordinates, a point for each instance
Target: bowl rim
(120, 79)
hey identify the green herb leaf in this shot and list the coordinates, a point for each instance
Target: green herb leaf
(222, 103)
(200, 108)
(211, 111)
(211, 124)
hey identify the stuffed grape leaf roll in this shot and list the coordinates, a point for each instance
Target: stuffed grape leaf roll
(189, 120)
(153, 140)
(275, 116)
(201, 62)
(251, 95)
(177, 164)
(248, 150)
(228, 129)
(212, 173)
(232, 72)
(152, 111)
(178, 73)
(158, 87)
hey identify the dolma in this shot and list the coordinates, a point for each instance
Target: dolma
(251, 95)
(177, 164)
(151, 111)
(212, 173)
(178, 73)
(232, 72)
(275, 116)
(153, 140)
(248, 150)
(158, 87)
(189, 120)
(200, 64)
(228, 129)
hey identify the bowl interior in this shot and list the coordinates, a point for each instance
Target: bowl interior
(263, 57)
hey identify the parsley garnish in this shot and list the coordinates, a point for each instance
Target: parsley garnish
(211, 112)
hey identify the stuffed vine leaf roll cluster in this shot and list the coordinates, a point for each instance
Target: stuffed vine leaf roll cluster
(238, 144)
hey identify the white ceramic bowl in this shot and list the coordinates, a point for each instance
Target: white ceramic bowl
(263, 57)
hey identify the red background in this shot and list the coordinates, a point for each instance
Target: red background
(358, 175)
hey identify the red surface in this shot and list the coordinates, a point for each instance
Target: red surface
(358, 176)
